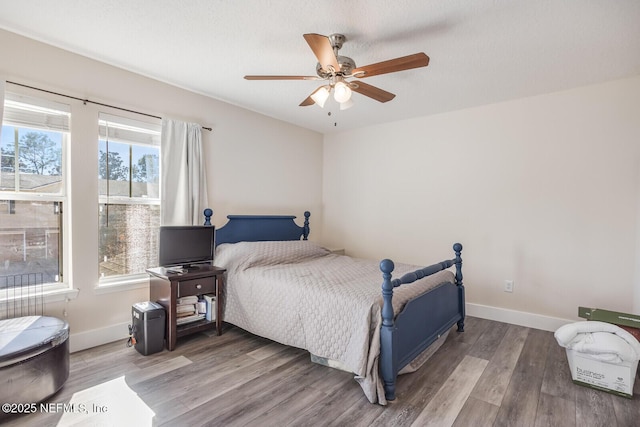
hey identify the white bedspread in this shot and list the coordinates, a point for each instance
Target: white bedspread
(299, 294)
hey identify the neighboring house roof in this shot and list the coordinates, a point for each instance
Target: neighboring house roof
(52, 183)
(30, 182)
(121, 188)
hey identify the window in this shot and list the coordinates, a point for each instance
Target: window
(33, 144)
(129, 196)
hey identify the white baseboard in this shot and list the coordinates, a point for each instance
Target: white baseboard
(95, 337)
(83, 340)
(520, 318)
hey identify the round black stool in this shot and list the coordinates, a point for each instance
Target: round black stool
(34, 358)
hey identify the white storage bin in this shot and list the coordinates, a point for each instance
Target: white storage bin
(601, 356)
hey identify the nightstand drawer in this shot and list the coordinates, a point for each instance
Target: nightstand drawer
(204, 285)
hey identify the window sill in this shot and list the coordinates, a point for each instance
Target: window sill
(55, 293)
(120, 284)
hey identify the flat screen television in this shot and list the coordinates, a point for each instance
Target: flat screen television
(185, 246)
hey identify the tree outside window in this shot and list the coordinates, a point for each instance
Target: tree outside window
(30, 226)
(129, 209)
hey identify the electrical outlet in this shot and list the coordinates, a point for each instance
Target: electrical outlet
(508, 285)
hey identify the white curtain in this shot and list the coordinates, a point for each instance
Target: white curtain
(2, 84)
(183, 185)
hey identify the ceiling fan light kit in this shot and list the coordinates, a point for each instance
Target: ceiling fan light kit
(320, 96)
(342, 92)
(336, 68)
(346, 104)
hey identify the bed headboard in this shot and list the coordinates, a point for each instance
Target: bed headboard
(258, 228)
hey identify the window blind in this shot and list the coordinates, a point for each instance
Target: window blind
(120, 129)
(25, 111)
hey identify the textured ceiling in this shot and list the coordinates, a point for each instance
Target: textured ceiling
(481, 51)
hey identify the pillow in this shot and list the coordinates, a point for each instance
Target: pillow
(250, 254)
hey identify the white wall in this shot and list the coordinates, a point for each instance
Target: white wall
(255, 164)
(543, 191)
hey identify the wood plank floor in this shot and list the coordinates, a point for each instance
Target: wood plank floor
(493, 374)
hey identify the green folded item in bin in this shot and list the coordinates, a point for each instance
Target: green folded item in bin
(625, 320)
(614, 317)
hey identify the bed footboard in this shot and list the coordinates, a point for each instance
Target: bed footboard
(423, 319)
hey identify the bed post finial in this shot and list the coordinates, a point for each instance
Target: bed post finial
(387, 352)
(457, 248)
(306, 230)
(208, 213)
(387, 266)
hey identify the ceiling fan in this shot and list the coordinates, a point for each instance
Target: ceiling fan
(336, 69)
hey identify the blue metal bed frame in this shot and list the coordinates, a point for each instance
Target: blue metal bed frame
(403, 337)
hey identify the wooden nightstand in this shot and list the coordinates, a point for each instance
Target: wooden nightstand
(166, 287)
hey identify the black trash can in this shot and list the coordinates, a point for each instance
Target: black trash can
(148, 319)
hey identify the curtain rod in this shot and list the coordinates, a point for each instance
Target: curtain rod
(92, 102)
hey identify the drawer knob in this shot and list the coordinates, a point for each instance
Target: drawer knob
(198, 286)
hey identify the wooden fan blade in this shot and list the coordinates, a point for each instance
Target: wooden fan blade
(309, 101)
(372, 92)
(321, 47)
(391, 66)
(281, 78)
